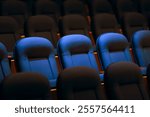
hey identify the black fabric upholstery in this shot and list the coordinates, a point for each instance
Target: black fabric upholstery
(104, 23)
(74, 24)
(26, 86)
(100, 6)
(133, 22)
(123, 81)
(18, 10)
(43, 26)
(79, 83)
(47, 7)
(74, 7)
(8, 32)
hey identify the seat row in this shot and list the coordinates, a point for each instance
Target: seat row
(37, 54)
(46, 27)
(123, 81)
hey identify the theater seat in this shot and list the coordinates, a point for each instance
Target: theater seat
(134, 22)
(26, 86)
(74, 7)
(74, 24)
(47, 7)
(4, 63)
(113, 47)
(18, 10)
(8, 32)
(100, 6)
(79, 83)
(104, 23)
(43, 26)
(36, 54)
(76, 50)
(123, 81)
(141, 48)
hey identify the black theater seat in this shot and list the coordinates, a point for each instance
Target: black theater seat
(18, 10)
(9, 32)
(79, 83)
(47, 7)
(26, 86)
(43, 26)
(123, 81)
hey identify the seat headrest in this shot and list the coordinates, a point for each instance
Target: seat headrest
(142, 38)
(74, 21)
(79, 78)
(8, 25)
(123, 73)
(25, 86)
(34, 47)
(74, 44)
(112, 42)
(41, 23)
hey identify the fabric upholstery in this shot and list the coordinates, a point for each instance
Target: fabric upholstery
(74, 24)
(36, 54)
(141, 47)
(134, 22)
(47, 7)
(43, 26)
(100, 6)
(74, 7)
(18, 10)
(123, 81)
(8, 32)
(103, 23)
(113, 47)
(4, 63)
(76, 50)
(26, 86)
(79, 83)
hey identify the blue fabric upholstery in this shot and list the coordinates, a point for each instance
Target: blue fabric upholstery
(4, 63)
(141, 47)
(113, 47)
(76, 50)
(36, 54)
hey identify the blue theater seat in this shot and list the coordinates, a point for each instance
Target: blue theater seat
(4, 63)
(36, 54)
(113, 47)
(141, 48)
(76, 50)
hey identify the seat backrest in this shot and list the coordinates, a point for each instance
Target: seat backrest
(74, 24)
(134, 22)
(26, 86)
(18, 10)
(141, 47)
(76, 50)
(113, 47)
(100, 6)
(125, 6)
(4, 63)
(144, 6)
(43, 26)
(47, 7)
(8, 32)
(74, 7)
(36, 54)
(79, 83)
(123, 81)
(104, 23)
